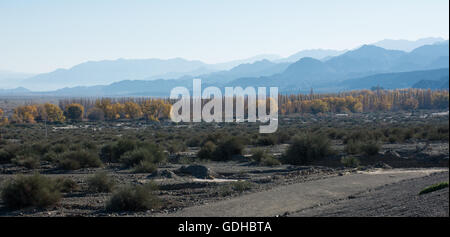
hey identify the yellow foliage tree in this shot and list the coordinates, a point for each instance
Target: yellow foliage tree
(132, 110)
(25, 114)
(155, 110)
(51, 113)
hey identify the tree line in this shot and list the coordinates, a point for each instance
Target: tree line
(111, 109)
(92, 110)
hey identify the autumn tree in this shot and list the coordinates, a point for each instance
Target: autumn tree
(155, 110)
(25, 114)
(3, 120)
(132, 110)
(51, 113)
(74, 111)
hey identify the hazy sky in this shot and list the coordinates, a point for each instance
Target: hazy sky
(40, 36)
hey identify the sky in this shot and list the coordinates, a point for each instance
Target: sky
(39, 36)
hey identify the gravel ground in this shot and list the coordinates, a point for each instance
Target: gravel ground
(295, 199)
(398, 199)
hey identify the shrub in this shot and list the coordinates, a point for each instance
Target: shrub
(134, 198)
(106, 153)
(29, 162)
(74, 160)
(353, 147)
(258, 155)
(306, 149)
(59, 148)
(100, 183)
(50, 157)
(434, 187)
(371, 148)
(145, 167)
(226, 150)
(266, 141)
(193, 142)
(6, 156)
(66, 185)
(149, 153)
(207, 151)
(30, 191)
(241, 186)
(270, 161)
(121, 147)
(262, 158)
(350, 161)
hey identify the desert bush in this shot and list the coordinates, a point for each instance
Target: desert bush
(350, 161)
(100, 183)
(207, 151)
(30, 191)
(145, 166)
(6, 156)
(59, 148)
(66, 185)
(149, 153)
(50, 157)
(113, 152)
(371, 148)
(106, 153)
(73, 160)
(307, 148)
(241, 186)
(353, 147)
(270, 161)
(134, 198)
(262, 158)
(29, 162)
(193, 142)
(266, 141)
(226, 150)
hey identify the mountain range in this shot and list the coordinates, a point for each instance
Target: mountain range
(323, 70)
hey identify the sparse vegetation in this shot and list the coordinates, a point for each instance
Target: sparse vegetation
(307, 148)
(100, 183)
(73, 160)
(262, 158)
(67, 185)
(350, 161)
(434, 187)
(227, 149)
(134, 198)
(30, 191)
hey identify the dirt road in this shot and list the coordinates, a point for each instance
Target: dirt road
(305, 199)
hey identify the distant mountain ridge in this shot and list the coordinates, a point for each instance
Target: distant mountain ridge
(362, 62)
(326, 74)
(407, 45)
(397, 80)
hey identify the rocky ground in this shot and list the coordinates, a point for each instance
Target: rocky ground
(184, 183)
(397, 199)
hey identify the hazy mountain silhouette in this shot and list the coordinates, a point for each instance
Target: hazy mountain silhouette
(396, 80)
(368, 65)
(231, 64)
(108, 71)
(320, 54)
(362, 62)
(407, 45)
(442, 84)
(10, 79)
